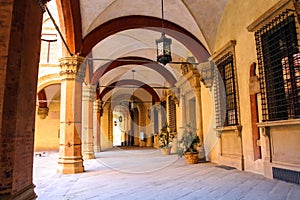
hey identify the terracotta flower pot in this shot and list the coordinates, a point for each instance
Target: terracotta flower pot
(166, 150)
(191, 158)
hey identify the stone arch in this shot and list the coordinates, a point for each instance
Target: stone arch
(137, 61)
(70, 23)
(146, 87)
(47, 80)
(147, 22)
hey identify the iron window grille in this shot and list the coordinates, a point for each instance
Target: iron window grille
(279, 68)
(226, 92)
(172, 114)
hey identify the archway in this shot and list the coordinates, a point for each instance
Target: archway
(147, 22)
(101, 71)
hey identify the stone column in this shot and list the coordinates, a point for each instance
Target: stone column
(70, 158)
(197, 90)
(87, 121)
(182, 124)
(96, 129)
(159, 119)
(159, 116)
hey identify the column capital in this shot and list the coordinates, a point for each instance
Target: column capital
(43, 112)
(88, 92)
(72, 68)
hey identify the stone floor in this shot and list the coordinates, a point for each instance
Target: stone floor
(146, 174)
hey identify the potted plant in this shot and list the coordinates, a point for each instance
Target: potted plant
(189, 145)
(165, 138)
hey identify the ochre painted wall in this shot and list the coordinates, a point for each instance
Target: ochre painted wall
(47, 130)
(237, 17)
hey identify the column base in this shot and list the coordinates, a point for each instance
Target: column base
(88, 155)
(25, 194)
(70, 165)
(97, 149)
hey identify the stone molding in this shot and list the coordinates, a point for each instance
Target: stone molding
(279, 123)
(265, 18)
(237, 129)
(228, 48)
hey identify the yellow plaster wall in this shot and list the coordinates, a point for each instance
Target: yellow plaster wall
(46, 130)
(208, 117)
(237, 16)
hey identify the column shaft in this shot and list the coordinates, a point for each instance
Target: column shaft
(70, 157)
(96, 126)
(199, 122)
(87, 121)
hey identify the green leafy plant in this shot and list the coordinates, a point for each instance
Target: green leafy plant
(189, 142)
(165, 137)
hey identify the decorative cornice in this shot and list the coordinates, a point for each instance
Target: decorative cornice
(237, 129)
(289, 122)
(223, 51)
(265, 18)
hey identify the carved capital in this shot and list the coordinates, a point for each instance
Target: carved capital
(42, 4)
(43, 112)
(72, 68)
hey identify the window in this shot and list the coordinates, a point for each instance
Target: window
(226, 93)
(172, 114)
(49, 48)
(279, 68)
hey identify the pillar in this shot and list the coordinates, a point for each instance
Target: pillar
(199, 122)
(96, 126)
(159, 116)
(182, 124)
(87, 121)
(70, 157)
(20, 34)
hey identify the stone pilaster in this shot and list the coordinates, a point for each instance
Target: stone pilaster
(96, 129)
(87, 121)
(70, 158)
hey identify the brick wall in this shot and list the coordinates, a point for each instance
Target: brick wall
(19, 58)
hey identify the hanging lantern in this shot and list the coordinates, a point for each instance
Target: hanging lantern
(163, 46)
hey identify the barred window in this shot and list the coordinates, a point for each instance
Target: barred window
(172, 114)
(226, 94)
(279, 68)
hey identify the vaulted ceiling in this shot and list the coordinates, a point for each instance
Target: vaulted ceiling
(112, 29)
